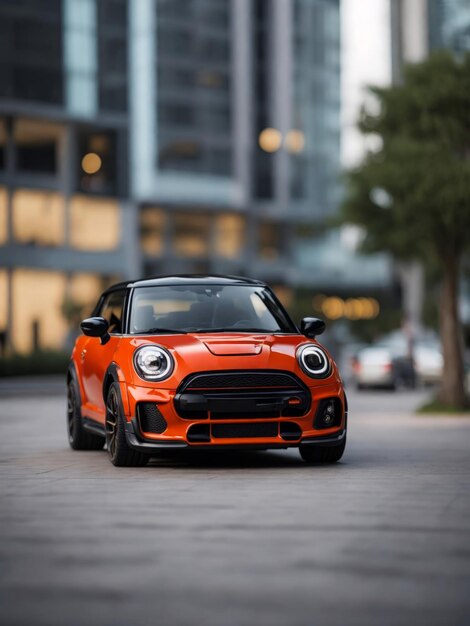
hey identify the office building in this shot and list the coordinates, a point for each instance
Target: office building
(162, 136)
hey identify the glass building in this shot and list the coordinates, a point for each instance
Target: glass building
(162, 136)
(64, 205)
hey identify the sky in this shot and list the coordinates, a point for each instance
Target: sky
(366, 59)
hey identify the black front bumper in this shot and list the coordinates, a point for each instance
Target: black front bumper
(136, 441)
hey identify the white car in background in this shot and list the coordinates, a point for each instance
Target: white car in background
(388, 364)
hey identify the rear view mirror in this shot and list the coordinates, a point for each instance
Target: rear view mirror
(312, 326)
(96, 327)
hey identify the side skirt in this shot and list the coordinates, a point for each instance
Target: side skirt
(93, 427)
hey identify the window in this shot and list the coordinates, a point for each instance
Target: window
(97, 162)
(207, 307)
(112, 310)
(37, 300)
(3, 144)
(152, 230)
(38, 217)
(36, 144)
(191, 234)
(229, 235)
(269, 240)
(3, 216)
(95, 223)
(3, 310)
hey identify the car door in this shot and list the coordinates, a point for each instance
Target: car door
(96, 357)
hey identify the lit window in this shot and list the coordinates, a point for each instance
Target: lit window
(3, 143)
(191, 234)
(38, 217)
(230, 235)
(3, 300)
(269, 240)
(3, 216)
(152, 231)
(36, 144)
(38, 322)
(95, 223)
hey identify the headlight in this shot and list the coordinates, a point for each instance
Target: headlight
(153, 363)
(314, 361)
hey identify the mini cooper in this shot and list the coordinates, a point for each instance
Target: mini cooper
(201, 362)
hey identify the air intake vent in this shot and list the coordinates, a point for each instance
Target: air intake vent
(150, 418)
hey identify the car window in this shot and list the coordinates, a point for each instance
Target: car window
(190, 308)
(112, 310)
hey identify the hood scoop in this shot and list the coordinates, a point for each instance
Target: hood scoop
(227, 348)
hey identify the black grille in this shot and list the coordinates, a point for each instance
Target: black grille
(150, 418)
(242, 395)
(241, 380)
(235, 431)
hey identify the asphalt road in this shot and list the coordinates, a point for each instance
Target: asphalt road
(381, 538)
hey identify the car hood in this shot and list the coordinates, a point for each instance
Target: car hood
(223, 351)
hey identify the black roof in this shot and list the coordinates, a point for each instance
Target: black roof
(187, 279)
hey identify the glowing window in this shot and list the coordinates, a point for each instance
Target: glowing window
(192, 233)
(95, 223)
(38, 217)
(152, 230)
(3, 216)
(38, 297)
(230, 235)
(3, 300)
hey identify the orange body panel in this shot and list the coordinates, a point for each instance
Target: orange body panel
(195, 353)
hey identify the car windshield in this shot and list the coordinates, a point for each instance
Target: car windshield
(207, 308)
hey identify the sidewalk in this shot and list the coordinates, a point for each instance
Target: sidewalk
(32, 385)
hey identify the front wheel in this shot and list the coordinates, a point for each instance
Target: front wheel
(318, 454)
(120, 454)
(79, 438)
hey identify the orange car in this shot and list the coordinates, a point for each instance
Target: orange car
(201, 361)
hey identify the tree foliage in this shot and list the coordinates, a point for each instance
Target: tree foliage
(412, 196)
(423, 164)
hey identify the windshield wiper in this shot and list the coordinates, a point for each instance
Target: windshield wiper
(157, 330)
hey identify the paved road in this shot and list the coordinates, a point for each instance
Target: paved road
(259, 538)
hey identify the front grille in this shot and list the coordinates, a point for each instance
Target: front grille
(242, 395)
(150, 419)
(241, 380)
(240, 431)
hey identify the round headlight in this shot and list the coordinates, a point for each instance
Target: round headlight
(314, 361)
(153, 363)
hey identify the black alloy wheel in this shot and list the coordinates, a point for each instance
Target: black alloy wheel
(120, 454)
(79, 438)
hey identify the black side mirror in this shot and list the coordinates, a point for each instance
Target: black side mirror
(96, 327)
(312, 326)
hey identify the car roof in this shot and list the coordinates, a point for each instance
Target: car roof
(186, 279)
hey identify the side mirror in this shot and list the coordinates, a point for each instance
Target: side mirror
(96, 327)
(312, 326)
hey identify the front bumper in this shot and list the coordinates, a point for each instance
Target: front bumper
(137, 441)
(240, 429)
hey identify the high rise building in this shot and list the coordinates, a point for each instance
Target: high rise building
(234, 130)
(421, 26)
(64, 206)
(163, 136)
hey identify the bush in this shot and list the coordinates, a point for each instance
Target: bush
(43, 362)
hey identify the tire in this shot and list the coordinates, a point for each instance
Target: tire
(79, 438)
(317, 454)
(120, 454)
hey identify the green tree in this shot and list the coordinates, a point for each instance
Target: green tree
(412, 196)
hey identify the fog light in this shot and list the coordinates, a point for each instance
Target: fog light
(329, 413)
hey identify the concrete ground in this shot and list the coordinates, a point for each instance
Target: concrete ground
(381, 538)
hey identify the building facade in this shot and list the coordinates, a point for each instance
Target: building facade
(420, 26)
(64, 204)
(159, 136)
